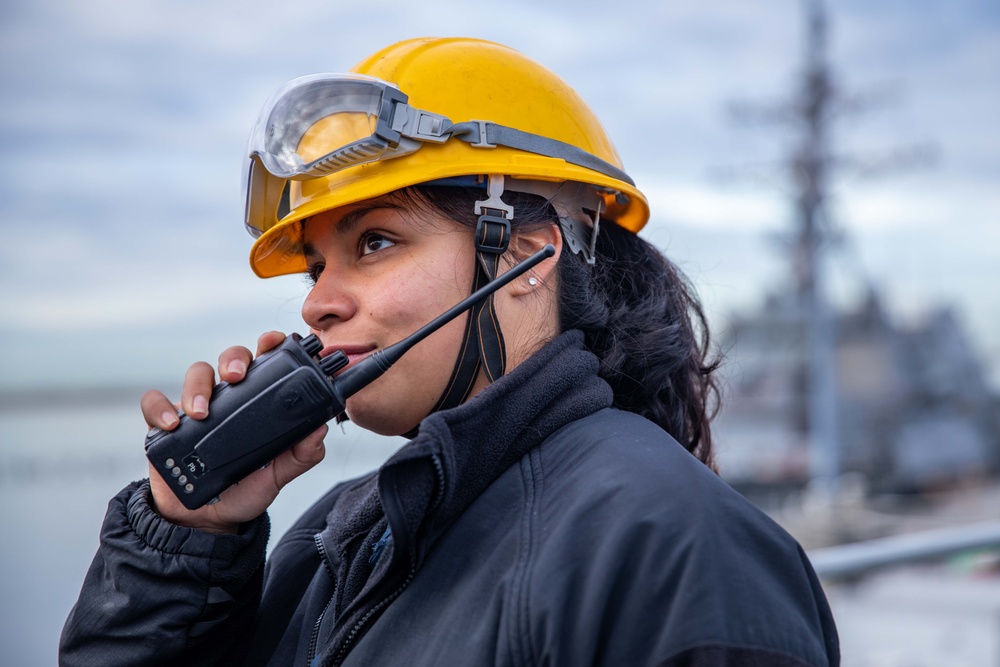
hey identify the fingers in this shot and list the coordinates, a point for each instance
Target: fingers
(252, 496)
(233, 363)
(269, 341)
(246, 500)
(197, 390)
(166, 504)
(158, 411)
(199, 381)
(300, 458)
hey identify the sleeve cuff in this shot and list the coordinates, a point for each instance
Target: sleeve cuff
(163, 536)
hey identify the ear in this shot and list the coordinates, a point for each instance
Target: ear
(525, 243)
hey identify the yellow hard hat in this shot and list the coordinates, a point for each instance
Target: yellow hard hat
(419, 111)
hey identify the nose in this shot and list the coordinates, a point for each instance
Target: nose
(330, 300)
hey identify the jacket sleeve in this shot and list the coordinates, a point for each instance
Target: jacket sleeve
(161, 594)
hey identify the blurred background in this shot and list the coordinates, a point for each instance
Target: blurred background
(827, 176)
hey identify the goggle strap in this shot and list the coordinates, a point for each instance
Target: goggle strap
(484, 134)
(421, 125)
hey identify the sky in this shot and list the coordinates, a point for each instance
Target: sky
(123, 127)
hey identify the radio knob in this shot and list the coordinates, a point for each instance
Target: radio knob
(311, 344)
(333, 363)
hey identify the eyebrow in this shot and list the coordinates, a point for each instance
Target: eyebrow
(347, 224)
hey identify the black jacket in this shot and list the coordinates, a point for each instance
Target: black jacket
(534, 524)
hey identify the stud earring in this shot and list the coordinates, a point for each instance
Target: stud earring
(532, 281)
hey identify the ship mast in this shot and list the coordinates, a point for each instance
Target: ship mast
(811, 112)
(811, 166)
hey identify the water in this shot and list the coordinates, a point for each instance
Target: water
(59, 467)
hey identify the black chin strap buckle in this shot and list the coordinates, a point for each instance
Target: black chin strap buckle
(492, 232)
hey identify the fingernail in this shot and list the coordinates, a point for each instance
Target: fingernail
(199, 405)
(237, 366)
(169, 418)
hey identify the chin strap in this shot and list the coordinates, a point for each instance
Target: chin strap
(483, 344)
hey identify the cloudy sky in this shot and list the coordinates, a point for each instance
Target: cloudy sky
(123, 124)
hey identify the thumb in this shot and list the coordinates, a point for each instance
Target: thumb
(300, 458)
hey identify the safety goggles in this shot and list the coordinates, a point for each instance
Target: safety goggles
(352, 120)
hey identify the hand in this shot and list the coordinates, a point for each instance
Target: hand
(248, 499)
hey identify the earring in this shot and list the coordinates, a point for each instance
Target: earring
(532, 281)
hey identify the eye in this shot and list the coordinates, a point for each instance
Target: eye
(313, 272)
(373, 242)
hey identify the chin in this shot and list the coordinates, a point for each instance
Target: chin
(375, 419)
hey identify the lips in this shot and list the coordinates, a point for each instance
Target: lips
(355, 353)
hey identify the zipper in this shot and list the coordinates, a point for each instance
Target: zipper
(439, 496)
(345, 647)
(319, 621)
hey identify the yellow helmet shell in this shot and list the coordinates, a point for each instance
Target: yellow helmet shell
(462, 79)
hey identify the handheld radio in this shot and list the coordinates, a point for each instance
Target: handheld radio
(287, 393)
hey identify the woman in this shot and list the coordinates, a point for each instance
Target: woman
(556, 503)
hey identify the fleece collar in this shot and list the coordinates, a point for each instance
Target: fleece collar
(456, 455)
(475, 442)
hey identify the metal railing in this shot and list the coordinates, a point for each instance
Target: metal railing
(861, 558)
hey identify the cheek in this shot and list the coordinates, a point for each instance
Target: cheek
(396, 307)
(400, 399)
(402, 309)
(417, 298)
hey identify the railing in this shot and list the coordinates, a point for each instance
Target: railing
(854, 560)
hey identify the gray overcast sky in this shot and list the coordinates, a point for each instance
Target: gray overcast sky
(123, 124)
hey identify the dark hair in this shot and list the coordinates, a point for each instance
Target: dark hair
(638, 312)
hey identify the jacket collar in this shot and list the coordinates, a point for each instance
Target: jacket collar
(458, 453)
